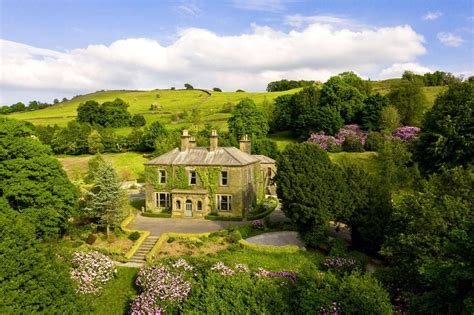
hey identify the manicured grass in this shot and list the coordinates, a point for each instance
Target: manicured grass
(117, 294)
(129, 165)
(363, 159)
(282, 139)
(297, 262)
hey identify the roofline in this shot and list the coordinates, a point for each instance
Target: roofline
(185, 164)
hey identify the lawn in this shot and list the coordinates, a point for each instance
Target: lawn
(129, 165)
(282, 139)
(364, 159)
(117, 294)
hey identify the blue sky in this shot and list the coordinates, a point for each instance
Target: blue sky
(62, 48)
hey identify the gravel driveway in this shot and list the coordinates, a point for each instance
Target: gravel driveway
(277, 238)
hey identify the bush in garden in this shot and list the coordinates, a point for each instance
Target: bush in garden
(258, 224)
(240, 293)
(91, 271)
(134, 236)
(234, 237)
(340, 265)
(374, 141)
(352, 144)
(406, 133)
(353, 294)
(91, 239)
(161, 289)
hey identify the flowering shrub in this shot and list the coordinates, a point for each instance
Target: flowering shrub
(161, 288)
(258, 224)
(181, 263)
(406, 133)
(329, 142)
(332, 310)
(340, 264)
(281, 274)
(242, 268)
(224, 270)
(91, 271)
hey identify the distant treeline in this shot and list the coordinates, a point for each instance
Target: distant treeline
(285, 85)
(33, 105)
(436, 78)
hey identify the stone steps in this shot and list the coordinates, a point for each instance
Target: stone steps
(144, 249)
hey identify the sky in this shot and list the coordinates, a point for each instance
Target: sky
(61, 48)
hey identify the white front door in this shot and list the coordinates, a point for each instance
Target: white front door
(189, 208)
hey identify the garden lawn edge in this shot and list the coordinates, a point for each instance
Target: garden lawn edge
(138, 243)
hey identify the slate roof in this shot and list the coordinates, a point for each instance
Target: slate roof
(264, 159)
(222, 156)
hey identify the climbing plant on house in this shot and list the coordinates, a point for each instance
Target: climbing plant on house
(209, 178)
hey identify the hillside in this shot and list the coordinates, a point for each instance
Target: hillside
(169, 102)
(176, 102)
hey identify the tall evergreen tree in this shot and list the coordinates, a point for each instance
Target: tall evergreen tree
(106, 200)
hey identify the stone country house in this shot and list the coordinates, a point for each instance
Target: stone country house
(195, 181)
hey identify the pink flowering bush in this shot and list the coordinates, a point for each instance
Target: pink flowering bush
(162, 288)
(242, 268)
(91, 271)
(281, 274)
(332, 310)
(406, 133)
(348, 131)
(258, 224)
(223, 269)
(341, 264)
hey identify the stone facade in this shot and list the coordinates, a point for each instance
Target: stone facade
(194, 181)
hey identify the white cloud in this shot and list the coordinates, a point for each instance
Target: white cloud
(397, 69)
(261, 5)
(189, 9)
(430, 16)
(299, 21)
(450, 39)
(205, 59)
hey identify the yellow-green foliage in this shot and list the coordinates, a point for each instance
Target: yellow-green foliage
(169, 103)
(270, 248)
(176, 179)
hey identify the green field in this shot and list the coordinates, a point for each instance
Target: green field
(365, 160)
(129, 165)
(169, 103)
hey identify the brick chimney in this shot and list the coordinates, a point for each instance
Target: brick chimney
(185, 141)
(213, 141)
(245, 144)
(192, 142)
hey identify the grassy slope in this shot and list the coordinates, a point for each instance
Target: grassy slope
(117, 295)
(129, 165)
(366, 160)
(170, 102)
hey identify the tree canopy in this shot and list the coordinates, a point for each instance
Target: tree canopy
(247, 119)
(447, 134)
(410, 102)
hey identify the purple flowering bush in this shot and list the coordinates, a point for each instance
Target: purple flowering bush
(162, 288)
(280, 274)
(406, 133)
(258, 224)
(223, 269)
(329, 143)
(91, 271)
(340, 264)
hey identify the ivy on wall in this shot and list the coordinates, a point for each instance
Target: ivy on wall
(258, 183)
(209, 177)
(174, 179)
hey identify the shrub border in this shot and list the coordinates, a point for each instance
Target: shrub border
(264, 214)
(156, 214)
(212, 217)
(137, 243)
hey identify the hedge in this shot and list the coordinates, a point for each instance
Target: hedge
(221, 218)
(157, 214)
(137, 243)
(260, 215)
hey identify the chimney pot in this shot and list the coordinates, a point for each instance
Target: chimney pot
(213, 141)
(185, 140)
(245, 144)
